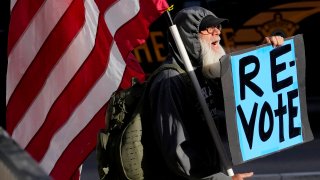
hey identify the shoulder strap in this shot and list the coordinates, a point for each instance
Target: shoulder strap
(165, 67)
(153, 75)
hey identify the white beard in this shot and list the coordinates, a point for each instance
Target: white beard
(210, 59)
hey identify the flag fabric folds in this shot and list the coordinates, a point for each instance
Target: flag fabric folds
(65, 59)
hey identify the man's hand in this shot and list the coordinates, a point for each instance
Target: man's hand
(242, 176)
(275, 41)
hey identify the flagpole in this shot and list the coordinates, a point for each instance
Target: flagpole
(187, 63)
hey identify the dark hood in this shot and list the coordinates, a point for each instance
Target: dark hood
(188, 21)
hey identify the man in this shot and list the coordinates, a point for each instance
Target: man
(186, 147)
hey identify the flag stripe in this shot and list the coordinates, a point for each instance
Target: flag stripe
(148, 13)
(118, 14)
(73, 154)
(86, 110)
(13, 3)
(18, 63)
(95, 65)
(62, 73)
(23, 17)
(25, 94)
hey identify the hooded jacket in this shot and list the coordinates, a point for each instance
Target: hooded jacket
(180, 131)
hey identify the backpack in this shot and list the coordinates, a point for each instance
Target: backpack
(119, 147)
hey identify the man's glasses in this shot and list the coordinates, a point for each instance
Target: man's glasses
(211, 29)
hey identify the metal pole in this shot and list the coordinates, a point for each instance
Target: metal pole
(212, 127)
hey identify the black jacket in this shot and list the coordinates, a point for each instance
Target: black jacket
(181, 134)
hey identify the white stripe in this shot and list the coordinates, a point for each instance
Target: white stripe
(12, 3)
(63, 72)
(31, 41)
(97, 97)
(120, 13)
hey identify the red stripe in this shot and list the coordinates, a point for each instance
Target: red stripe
(133, 69)
(75, 175)
(21, 15)
(73, 94)
(103, 5)
(41, 66)
(149, 11)
(79, 149)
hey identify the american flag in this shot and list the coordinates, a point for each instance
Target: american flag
(65, 59)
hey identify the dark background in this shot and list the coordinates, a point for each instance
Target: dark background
(4, 22)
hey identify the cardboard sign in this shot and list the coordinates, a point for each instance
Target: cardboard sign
(265, 102)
